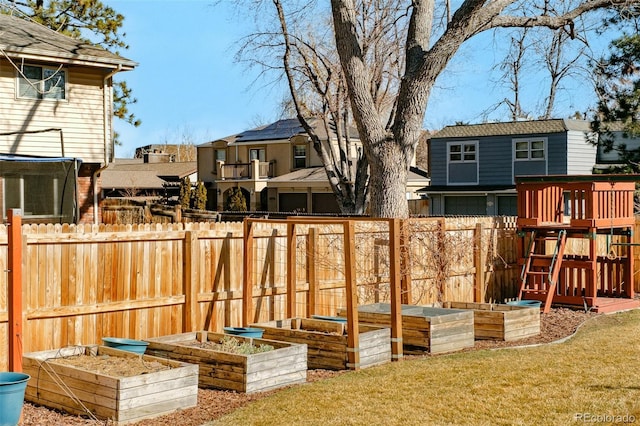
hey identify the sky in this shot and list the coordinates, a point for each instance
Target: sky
(190, 89)
(187, 85)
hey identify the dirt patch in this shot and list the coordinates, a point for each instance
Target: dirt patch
(230, 345)
(212, 404)
(114, 366)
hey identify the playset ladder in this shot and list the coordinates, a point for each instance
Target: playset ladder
(540, 271)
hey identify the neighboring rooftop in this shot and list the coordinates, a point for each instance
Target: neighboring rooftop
(280, 130)
(134, 173)
(318, 174)
(533, 127)
(21, 38)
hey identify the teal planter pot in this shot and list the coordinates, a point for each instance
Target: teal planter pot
(137, 346)
(244, 331)
(12, 387)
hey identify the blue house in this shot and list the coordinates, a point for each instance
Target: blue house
(473, 167)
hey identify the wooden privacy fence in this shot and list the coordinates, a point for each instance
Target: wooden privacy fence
(82, 283)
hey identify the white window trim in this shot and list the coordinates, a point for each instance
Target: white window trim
(463, 161)
(261, 148)
(514, 159)
(19, 77)
(462, 144)
(294, 156)
(529, 140)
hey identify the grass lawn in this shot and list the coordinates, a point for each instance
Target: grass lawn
(593, 378)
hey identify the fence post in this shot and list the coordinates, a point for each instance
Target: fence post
(247, 272)
(15, 289)
(314, 290)
(291, 270)
(190, 281)
(395, 261)
(478, 295)
(405, 262)
(353, 329)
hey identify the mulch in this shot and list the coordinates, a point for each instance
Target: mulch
(558, 324)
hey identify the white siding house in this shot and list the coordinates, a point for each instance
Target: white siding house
(56, 101)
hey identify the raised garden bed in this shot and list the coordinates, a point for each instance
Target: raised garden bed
(501, 322)
(235, 363)
(327, 341)
(424, 329)
(113, 384)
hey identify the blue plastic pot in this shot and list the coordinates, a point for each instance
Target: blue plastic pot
(244, 331)
(137, 346)
(12, 387)
(526, 303)
(328, 318)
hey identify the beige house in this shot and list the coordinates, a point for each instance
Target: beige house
(277, 169)
(56, 109)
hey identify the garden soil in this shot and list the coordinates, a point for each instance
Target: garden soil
(212, 404)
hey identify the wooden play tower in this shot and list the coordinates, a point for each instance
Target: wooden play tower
(599, 209)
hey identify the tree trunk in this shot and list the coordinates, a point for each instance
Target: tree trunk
(387, 183)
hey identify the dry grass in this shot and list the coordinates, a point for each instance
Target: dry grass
(595, 373)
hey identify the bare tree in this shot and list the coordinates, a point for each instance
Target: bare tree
(512, 67)
(319, 97)
(562, 54)
(323, 78)
(560, 64)
(390, 146)
(390, 130)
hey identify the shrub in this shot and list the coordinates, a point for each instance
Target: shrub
(199, 196)
(236, 201)
(185, 192)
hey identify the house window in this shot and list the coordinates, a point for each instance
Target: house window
(299, 156)
(529, 149)
(257, 154)
(462, 152)
(220, 155)
(42, 190)
(41, 83)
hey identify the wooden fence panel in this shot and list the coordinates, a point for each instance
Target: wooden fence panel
(81, 283)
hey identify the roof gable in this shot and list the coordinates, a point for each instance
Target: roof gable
(24, 39)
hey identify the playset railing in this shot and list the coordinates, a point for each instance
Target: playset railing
(594, 201)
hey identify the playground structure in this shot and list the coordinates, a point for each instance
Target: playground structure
(599, 209)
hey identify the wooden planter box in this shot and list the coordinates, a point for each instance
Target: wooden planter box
(283, 366)
(121, 399)
(435, 330)
(327, 341)
(502, 322)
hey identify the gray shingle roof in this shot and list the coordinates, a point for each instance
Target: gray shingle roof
(127, 174)
(534, 127)
(318, 174)
(24, 39)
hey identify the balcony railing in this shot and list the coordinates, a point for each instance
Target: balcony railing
(253, 170)
(236, 171)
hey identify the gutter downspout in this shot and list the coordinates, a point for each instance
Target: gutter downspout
(108, 156)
